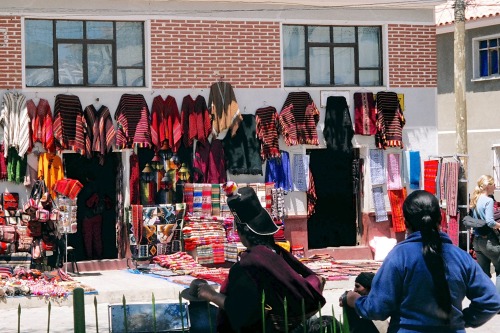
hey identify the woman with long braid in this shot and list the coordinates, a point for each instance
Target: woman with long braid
(486, 242)
(423, 281)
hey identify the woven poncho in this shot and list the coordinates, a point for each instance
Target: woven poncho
(298, 119)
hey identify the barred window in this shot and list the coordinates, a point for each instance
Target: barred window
(332, 56)
(70, 53)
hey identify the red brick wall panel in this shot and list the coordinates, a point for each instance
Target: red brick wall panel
(188, 53)
(412, 56)
(10, 53)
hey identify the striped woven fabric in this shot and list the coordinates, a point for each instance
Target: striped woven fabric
(16, 123)
(166, 123)
(69, 124)
(267, 121)
(206, 200)
(379, 204)
(135, 196)
(189, 197)
(451, 181)
(453, 228)
(41, 129)
(393, 172)
(430, 174)
(298, 119)
(3, 163)
(390, 121)
(197, 199)
(137, 222)
(365, 116)
(101, 137)
(216, 199)
(396, 199)
(132, 120)
(195, 120)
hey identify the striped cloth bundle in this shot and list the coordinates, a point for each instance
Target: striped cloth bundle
(215, 199)
(218, 252)
(197, 199)
(232, 249)
(205, 254)
(206, 199)
(189, 197)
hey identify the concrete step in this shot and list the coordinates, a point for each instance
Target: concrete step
(344, 252)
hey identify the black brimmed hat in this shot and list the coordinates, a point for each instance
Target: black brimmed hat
(248, 210)
(191, 293)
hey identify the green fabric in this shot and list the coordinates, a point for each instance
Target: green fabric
(16, 166)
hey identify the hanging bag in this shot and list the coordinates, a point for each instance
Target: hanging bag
(34, 200)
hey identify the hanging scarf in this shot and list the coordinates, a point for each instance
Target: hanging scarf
(379, 203)
(430, 174)
(396, 199)
(365, 116)
(393, 172)
(377, 170)
(135, 196)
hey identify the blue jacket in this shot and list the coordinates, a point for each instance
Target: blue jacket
(403, 290)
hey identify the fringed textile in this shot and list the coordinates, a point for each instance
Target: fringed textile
(377, 170)
(430, 174)
(453, 228)
(365, 115)
(298, 119)
(390, 121)
(396, 199)
(451, 177)
(338, 131)
(278, 171)
(135, 196)
(267, 121)
(393, 172)
(300, 172)
(415, 169)
(379, 204)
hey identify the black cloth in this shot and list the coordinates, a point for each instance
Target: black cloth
(338, 131)
(358, 324)
(279, 275)
(242, 151)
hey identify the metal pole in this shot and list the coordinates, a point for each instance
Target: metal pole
(459, 71)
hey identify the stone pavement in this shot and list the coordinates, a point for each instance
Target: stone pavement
(113, 285)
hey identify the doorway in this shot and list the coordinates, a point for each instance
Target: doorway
(97, 201)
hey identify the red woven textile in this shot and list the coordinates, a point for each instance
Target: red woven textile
(396, 198)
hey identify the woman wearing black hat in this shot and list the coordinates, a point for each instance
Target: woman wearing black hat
(264, 268)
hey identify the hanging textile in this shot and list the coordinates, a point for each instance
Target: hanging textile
(69, 124)
(50, 169)
(223, 108)
(267, 121)
(300, 172)
(197, 199)
(278, 171)
(242, 151)
(15, 122)
(377, 170)
(390, 121)
(442, 180)
(396, 199)
(16, 166)
(298, 119)
(338, 131)
(312, 197)
(393, 172)
(3, 163)
(414, 169)
(430, 175)
(195, 120)
(41, 129)
(189, 197)
(379, 203)
(101, 131)
(137, 222)
(365, 115)
(132, 122)
(166, 130)
(209, 162)
(451, 183)
(135, 196)
(453, 228)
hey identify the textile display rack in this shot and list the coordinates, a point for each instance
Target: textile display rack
(455, 213)
(67, 223)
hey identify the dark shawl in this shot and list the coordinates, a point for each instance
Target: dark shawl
(338, 131)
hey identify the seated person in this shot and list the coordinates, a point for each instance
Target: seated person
(263, 270)
(362, 286)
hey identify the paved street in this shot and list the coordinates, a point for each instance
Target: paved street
(112, 285)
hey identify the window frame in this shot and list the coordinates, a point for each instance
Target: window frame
(476, 58)
(331, 45)
(85, 42)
